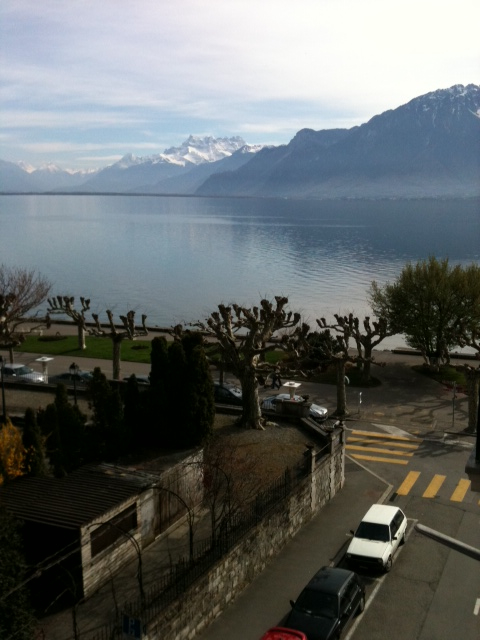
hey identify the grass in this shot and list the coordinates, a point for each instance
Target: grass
(132, 350)
(446, 374)
(139, 351)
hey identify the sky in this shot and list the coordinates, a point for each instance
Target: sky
(84, 82)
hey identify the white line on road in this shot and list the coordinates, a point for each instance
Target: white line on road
(476, 608)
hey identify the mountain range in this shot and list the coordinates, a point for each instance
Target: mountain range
(429, 147)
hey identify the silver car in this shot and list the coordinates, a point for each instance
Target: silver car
(23, 373)
(316, 411)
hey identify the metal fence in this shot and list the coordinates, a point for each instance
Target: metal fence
(171, 586)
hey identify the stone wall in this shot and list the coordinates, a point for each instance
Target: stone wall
(209, 596)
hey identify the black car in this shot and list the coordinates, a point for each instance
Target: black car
(227, 394)
(80, 377)
(326, 605)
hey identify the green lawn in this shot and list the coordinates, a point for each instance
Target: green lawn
(132, 350)
(444, 374)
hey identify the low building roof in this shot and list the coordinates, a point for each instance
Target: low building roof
(76, 499)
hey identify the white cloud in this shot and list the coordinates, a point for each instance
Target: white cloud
(188, 65)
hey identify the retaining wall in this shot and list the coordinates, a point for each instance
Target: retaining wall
(212, 593)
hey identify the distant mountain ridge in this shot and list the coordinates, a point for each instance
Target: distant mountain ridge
(429, 147)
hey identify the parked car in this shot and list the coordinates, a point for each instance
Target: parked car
(80, 377)
(327, 604)
(377, 538)
(227, 393)
(281, 633)
(317, 412)
(141, 379)
(23, 373)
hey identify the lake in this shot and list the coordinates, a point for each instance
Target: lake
(177, 258)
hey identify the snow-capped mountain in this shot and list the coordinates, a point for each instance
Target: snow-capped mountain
(133, 174)
(428, 147)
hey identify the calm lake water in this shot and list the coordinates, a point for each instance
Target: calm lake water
(177, 258)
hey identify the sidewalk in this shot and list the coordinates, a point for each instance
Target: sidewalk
(265, 602)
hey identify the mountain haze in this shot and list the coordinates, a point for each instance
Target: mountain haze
(429, 147)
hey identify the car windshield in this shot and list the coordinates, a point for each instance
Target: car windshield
(23, 371)
(373, 531)
(317, 603)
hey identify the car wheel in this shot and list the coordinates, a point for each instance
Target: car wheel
(361, 606)
(388, 564)
(402, 541)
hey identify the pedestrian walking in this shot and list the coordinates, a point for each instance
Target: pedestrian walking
(276, 381)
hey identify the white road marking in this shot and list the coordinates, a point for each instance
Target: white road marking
(476, 608)
(394, 431)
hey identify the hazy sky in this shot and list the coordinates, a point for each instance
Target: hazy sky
(86, 81)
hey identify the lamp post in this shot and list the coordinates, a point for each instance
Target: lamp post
(73, 368)
(4, 410)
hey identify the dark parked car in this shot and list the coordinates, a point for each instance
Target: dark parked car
(80, 377)
(141, 379)
(326, 605)
(227, 394)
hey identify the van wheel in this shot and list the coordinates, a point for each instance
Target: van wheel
(388, 564)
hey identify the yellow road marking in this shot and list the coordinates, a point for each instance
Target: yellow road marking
(461, 489)
(408, 483)
(371, 434)
(375, 459)
(402, 445)
(392, 452)
(434, 486)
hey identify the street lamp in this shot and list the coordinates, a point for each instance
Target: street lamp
(73, 368)
(4, 410)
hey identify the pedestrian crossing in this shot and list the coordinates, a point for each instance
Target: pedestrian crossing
(436, 487)
(381, 447)
(399, 450)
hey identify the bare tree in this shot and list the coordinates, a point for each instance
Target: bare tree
(118, 335)
(374, 332)
(243, 335)
(64, 305)
(22, 291)
(231, 483)
(340, 358)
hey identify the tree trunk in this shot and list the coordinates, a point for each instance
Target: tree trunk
(367, 364)
(473, 386)
(341, 410)
(81, 337)
(117, 348)
(252, 415)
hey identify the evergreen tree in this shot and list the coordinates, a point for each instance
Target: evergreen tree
(35, 462)
(48, 422)
(71, 426)
(177, 405)
(109, 433)
(133, 408)
(16, 618)
(157, 419)
(199, 398)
